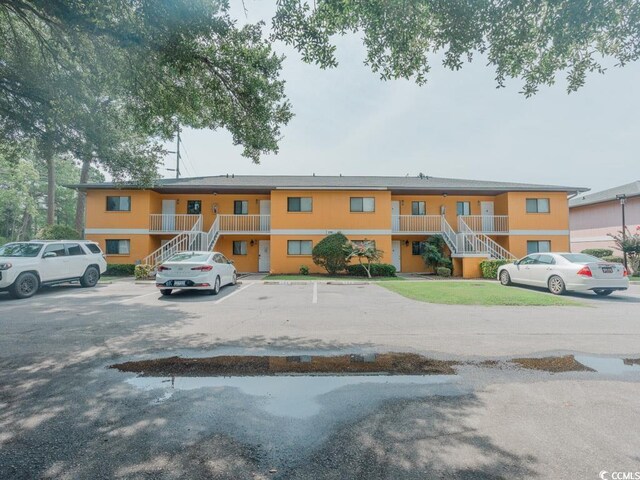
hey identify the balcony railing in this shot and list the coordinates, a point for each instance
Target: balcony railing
(163, 223)
(416, 224)
(245, 223)
(488, 224)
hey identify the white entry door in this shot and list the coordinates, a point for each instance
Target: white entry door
(396, 258)
(395, 216)
(264, 255)
(168, 215)
(265, 211)
(486, 209)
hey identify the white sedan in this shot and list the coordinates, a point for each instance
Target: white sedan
(207, 271)
(561, 272)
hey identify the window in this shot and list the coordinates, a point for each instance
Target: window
(537, 205)
(239, 247)
(536, 246)
(75, 249)
(363, 204)
(194, 207)
(580, 258)
(546, 260)
(118, 247)
(56, 248)
(241, 207)
(118, 204)
(418, 208)
(299, 204)
(529, 260)
(463, 208)
(299, 247)
(417, 248)
(93, 248)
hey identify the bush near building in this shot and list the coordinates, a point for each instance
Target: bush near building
(120, 270)
(598, 252)
(377, 270)
(329, 253)
(489, 268)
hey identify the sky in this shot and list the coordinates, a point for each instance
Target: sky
(347, 121)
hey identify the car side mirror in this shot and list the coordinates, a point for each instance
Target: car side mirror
(49, 255)
(517, 262)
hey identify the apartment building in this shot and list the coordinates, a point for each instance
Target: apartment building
(271, 223)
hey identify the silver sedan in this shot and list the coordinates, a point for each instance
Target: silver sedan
(561, 272)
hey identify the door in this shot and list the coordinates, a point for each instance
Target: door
(541, 269)
(486, 209)
(168, 215)
(396, 258)
(55, 263)
(77, 260)
(522, 273)
(265, 212)
(395, 216)
(264, 255)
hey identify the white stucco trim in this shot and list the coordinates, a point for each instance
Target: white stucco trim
(328, 232)
(118, 231)
(538, 232)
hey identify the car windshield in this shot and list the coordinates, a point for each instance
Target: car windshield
(580, 258)
(20, 250)
(189, 257)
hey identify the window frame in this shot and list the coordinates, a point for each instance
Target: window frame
(537, 205)
(418, 203)
(420, 248)
(119, 197)
(300, 204)
(47, 247)
(106, 245)
(362, 202)
(537, 242)
(464, 204)
(240, 242)
(242, 203)
(68, 247)
(299, 242)
(189, 210)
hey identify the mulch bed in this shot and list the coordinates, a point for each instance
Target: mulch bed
(552, 364)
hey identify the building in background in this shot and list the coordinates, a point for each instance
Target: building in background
(593, 217)
(271, 223)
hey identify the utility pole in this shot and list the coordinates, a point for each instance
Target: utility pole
(622, 197)
(178, 154)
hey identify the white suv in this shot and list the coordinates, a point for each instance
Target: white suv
(25, 266)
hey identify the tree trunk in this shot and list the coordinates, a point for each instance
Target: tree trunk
(51, 181)
(81, 200)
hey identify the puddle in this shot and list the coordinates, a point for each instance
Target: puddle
(299, 396)
(611, 366)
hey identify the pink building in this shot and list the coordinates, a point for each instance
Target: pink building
(592, 217)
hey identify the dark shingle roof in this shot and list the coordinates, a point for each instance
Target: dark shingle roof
(235, 183)
(630, 190)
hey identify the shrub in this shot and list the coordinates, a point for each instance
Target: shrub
(613, 258)
(304, 270)
(433, 253)
(142, 272)
(329, 253)
(58, 232)
(3, 240)
(489, 268)
(443, 272)
(598, 252)
(377, 270)
(120, 269)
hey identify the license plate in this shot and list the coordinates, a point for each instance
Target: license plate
(179, 283)
(607, 269)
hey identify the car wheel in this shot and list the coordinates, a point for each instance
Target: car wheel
(216, 287)
(603, 292)
(166, 291)
(505, 278)
(25, 286)
(234, 279)
(90, 277)
(556, 285)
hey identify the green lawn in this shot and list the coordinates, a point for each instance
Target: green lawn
(109, 278)
(474, 293)
(329, 278)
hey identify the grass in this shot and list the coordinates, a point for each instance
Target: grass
(110, 278)
(328, 277)
(475, 293)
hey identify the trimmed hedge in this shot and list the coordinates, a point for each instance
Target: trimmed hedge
(613, 258)
(443, 272)
(377, 270)
(120, 270)
(489, 268)
(598, 252)
(329, 253)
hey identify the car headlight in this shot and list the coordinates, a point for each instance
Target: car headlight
(5, 266)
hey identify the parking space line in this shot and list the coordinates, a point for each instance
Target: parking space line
(314, 299)
(139, 296)
(233, 293)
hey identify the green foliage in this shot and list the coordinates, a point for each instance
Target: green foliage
(120, 270)
(58, 232)
(142, 272)
(529, 40)
(489, 268)
(598, 252)
(613, 259)
(629, 243)
(443, 272)
(329, 254)
(376, 270)
(433, 253)
(365, 250)
(3, 241)
(304, 270)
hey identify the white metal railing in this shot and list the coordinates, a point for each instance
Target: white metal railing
(491, 224)
(496, 250)
(160, 222)
(244, 223)
(470, 242)
(448, 234)
(190, 240)
(416, 224)
(212, 235)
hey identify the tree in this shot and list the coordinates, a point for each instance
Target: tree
(530, 40)
(433, 253)
(365, 250)
(629, 243)
(329, 253)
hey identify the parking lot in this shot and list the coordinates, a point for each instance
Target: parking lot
(63, 414)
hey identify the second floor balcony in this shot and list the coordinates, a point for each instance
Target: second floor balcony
(180, 223)
(487, 224)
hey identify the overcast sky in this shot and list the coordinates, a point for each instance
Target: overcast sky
(458, 125)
